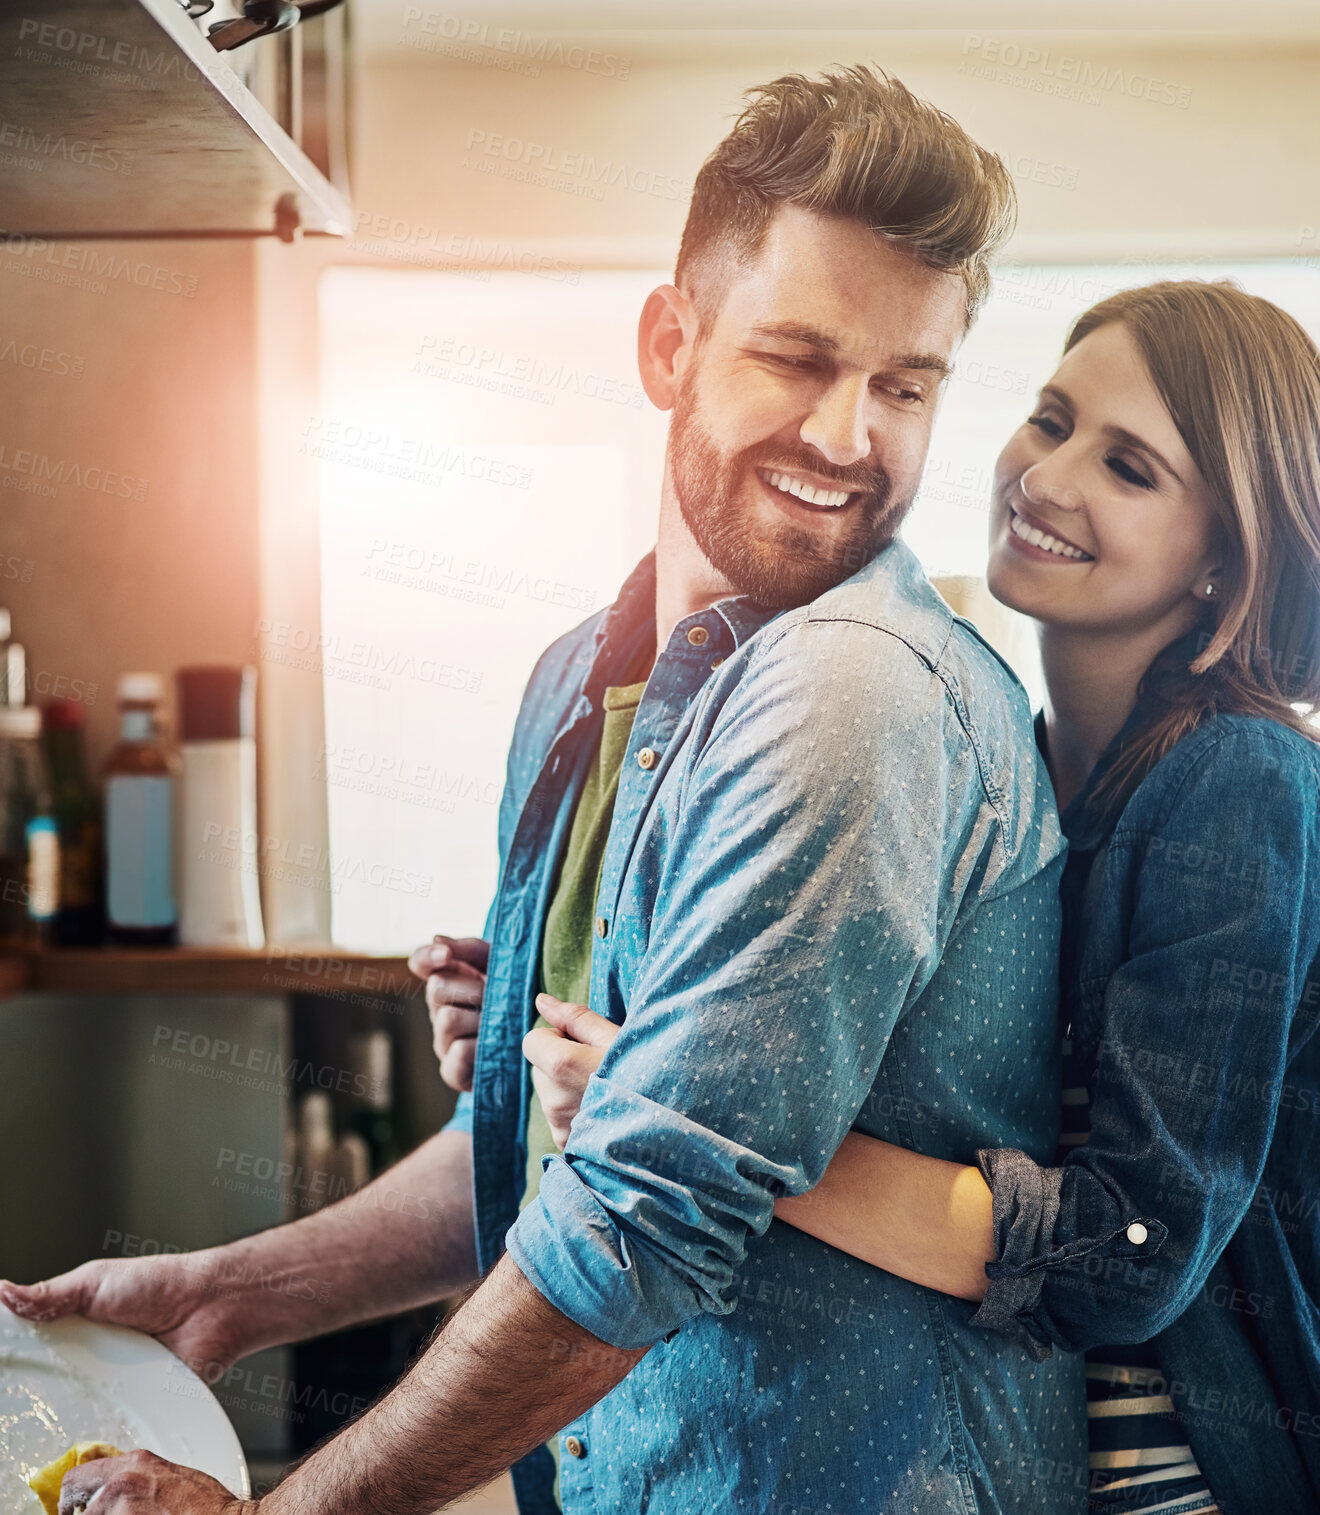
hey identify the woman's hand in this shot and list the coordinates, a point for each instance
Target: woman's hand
(563, 1056)
(454, 971)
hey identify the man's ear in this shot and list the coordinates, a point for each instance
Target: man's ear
(666, 334)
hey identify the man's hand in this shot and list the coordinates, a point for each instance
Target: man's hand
(455, 972)
(403, 1241)
(563, 1056)
(181, 1300)
(140, 1483)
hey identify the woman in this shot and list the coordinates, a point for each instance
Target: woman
(1158, 516)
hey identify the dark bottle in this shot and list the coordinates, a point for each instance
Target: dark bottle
(80, 916)
(140, 778)
(29, 838)
(371, 1060)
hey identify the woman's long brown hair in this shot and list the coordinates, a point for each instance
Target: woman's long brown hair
(1241, 380)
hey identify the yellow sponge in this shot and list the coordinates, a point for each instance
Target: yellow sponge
(46, 1484)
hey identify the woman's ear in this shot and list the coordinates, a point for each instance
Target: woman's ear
(666, 334)
(1208, 585)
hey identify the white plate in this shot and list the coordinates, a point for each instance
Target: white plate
(73, 1381)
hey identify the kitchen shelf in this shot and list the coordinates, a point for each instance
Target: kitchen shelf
(129, 124)
(329, 971)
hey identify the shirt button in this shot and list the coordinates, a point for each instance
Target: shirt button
(601, 927)
(574, 1447)
(715, 662)
(646, 757)
(1137, 1233)
(698, 636)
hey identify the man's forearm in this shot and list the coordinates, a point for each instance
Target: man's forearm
(507, 1371)
(404, 1240)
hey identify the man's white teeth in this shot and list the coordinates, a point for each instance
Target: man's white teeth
(808, 493)
(1042, 539)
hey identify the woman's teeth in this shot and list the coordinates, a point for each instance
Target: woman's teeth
(807, 493)
(1043, 540)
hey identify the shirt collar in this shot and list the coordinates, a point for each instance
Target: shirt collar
(622, 629)
(630, 621)
(744, 616)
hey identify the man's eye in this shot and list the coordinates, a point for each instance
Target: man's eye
(1050, 428)
(899, 392)
(798, 365)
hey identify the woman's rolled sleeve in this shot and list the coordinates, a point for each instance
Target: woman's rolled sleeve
(1204, 898)
(1026, 1200)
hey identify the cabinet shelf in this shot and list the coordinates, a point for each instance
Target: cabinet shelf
(138, 86)
(329, 971)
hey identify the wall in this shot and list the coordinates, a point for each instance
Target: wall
(197, 363)
(137, 549)
(1228, 165)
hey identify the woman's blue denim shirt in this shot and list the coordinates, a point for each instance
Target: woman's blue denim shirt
(1190, 976)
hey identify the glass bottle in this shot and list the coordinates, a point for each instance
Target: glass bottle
(80, 919)
(29, 838)
(140, 777)
(371, 1060)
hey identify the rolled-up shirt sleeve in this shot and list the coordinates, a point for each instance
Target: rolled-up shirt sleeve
(1198, 1024)
(828, 799)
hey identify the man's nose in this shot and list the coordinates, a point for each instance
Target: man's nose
(836, 427)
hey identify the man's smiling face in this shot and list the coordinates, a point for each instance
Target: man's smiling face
(803, 416)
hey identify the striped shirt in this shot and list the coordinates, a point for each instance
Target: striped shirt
(1140, 1460)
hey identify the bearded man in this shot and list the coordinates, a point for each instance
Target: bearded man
(779, 815)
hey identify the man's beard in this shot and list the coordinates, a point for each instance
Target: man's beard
(778, 565)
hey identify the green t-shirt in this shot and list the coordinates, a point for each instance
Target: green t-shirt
(570, 922)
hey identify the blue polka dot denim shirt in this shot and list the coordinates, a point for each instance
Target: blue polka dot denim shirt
(829, 899)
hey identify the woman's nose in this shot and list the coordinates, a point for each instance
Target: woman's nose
(1049, 486)
(836, 427)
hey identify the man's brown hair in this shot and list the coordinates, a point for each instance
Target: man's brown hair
(856, 144)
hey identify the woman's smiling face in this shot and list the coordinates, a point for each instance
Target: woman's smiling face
(1100, 517)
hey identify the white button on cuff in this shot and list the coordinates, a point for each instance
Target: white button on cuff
(1137, 1233)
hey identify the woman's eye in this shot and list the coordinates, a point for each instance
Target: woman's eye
(1050, 428)
(1128, 474)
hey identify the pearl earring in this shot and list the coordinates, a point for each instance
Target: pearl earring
(1210, 591)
